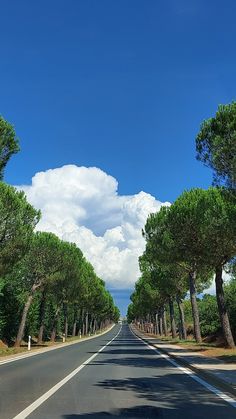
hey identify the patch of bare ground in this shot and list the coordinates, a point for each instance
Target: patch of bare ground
(212, 346)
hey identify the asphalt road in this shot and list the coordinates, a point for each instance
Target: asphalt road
(126, 379)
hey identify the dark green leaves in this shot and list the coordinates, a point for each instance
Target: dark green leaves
(216, 145)
(8, 144)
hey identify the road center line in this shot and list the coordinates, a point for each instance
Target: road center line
(26, 412)
(190, 373)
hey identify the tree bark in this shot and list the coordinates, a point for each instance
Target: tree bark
(172, 318)
(65, 307)
(164, 322)
(74, 329)
(23, 321)
(182, 328)
(94, 326)
(224, 319)
(86, 324)
(24, 315)
(195, 313)
(41, 317)
(75, 321)
(54, 325)
(157, 325)
(82, 320)
(161, 322)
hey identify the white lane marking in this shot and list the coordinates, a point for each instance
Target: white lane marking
(33, 406)
(45, 350)
(191, 374)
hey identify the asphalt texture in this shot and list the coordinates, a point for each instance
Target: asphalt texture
(126, 379)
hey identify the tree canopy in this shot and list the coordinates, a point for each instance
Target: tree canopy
(216, 145)
(9, 144)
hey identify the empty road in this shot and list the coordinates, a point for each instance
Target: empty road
(125, 379)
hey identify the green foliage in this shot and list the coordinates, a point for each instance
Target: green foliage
(216, 144)
(44, 282)
(17, 221)
(230, 295)
(8, 144)
(209, 316)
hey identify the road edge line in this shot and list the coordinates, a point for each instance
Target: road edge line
(187, 370)
(206, 375)
(52, 348)
(38, 402)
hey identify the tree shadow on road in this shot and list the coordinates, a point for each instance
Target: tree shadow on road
(144, 412)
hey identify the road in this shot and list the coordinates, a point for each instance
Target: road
(125, 379)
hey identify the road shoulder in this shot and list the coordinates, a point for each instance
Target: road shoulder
(214, 371)
(33, 352)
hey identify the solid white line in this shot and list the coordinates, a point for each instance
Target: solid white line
(33, 406)
(52, 348)
(191, 374)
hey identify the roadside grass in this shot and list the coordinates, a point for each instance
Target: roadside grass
(11, 350)
(211, 350)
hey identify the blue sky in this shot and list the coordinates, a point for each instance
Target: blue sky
(119, 85)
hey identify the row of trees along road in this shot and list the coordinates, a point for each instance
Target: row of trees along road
(46, 284)
(193, 239)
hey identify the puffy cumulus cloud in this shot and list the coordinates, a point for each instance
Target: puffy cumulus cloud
(82, 205)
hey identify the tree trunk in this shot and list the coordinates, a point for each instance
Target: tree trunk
(164, 322)
(74, 329)
(157, 325)
(182, 328)
(195, 314)
(224, 319)
(54, 325)
(94, 326)
(91, 326)
(75, 321)
(161, 322)
(86, 324)
(65, 307)
(23, 320)
(24, 315)
(41, 317)
(82, 321)
(172, 318)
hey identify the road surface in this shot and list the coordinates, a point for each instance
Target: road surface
(125, 379)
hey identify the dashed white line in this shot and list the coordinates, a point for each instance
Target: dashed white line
(33, 406)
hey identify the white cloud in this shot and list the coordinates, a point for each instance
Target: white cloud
(212, 289)
(82, 205)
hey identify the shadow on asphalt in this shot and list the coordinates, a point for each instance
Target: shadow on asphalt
(155, 391)
(175, 395)
(144, 412)
(137, 362)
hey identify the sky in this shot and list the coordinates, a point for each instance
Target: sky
(107, 98)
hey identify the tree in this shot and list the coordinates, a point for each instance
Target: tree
(219, 228)
(41, 263)
(216, 145)
(201, 235)
(175, 235)
(8, 144)
(170, 279)
(17, 221)
(230, 294)
(209, 315)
